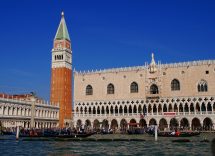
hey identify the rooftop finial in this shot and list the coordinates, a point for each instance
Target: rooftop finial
(153, 59)
(152, 66)
(153, 56)
(62, 13)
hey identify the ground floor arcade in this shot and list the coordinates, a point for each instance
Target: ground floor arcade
(7, 123)
(164, 123)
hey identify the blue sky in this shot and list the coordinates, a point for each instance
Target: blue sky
(104, 34)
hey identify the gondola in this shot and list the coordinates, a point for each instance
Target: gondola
(136, 131)
(57, 136)
(7, 133)
(54, 134)
(179, 134)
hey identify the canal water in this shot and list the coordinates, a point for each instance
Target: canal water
(164, 146)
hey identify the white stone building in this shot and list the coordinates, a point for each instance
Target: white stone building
(169, 95)
(27, 113)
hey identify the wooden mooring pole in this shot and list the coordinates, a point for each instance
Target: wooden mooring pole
(17, 133)
(156, 133)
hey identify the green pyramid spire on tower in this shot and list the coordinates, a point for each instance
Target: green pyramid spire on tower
(62, 32)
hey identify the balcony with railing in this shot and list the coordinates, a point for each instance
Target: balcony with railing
(150, 114)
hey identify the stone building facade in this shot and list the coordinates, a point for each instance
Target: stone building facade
(27, 111)
(169, 95)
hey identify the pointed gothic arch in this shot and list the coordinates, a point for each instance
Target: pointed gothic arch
(202, 86)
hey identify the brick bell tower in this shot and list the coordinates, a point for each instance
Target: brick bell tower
(61, 73)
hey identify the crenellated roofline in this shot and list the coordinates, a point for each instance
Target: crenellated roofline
(136, 68)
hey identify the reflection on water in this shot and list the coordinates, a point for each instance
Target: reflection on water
(149, 147)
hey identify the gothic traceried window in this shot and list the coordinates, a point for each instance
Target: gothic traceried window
(89, 90)
(175, 85)
(202, 86)
(154, 89)
(134, 87)
(110, 89)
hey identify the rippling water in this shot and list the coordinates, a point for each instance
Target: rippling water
(164, 146)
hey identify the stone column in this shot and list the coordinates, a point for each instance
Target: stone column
(1, 110)
(201, 122)
(178, 109)
(10, 111)
(91, 123)
(88, 113)
(201, 109)
(213, 126)
(189, 109)
(190, 125)
(32, 113)
(161, 109)
(194, 108)
(183, 109)
(157, 110)
(118, 111)
(147, 110)
(79, 112)
(83, 112)
(123, 112)
(147, 123)
(132, 111)
(6, 111)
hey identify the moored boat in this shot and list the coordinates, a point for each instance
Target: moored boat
(136, 131)
(54, 134)
(178, 134)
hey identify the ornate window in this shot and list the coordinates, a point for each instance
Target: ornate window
(110, 89)
(202, 86)
(154, 89)
(134, 87)
(89, 90)
(175, 85)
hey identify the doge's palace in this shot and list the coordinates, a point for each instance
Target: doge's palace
(169, 95)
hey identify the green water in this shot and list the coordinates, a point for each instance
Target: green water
(164, 146)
